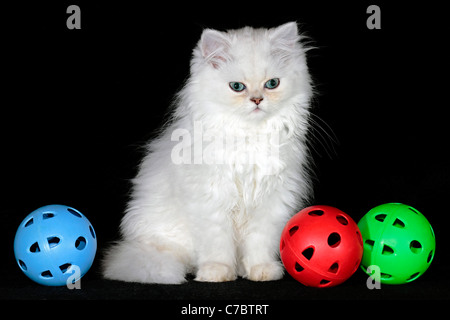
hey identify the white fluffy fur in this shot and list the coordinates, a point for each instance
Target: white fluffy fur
(222, 217)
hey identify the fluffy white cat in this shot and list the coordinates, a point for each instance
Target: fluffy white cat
(229, 169)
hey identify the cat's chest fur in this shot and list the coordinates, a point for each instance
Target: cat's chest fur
(250, 161)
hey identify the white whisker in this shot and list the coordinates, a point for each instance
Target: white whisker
(324, 135)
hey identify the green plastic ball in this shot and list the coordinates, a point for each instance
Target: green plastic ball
(399, 240)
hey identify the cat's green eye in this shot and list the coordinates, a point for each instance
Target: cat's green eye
(237, 86)
(272, 83)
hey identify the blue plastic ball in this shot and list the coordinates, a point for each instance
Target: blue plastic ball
(51, 244)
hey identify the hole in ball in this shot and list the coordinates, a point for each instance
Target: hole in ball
(35, 248)
(92, 231)
(47, 215)
(334, 268)
(64, 267)
(380, 217)
(415, 247)
(29, 223)
(22, 265)
(324, 282)
(47, 274)
(387, 250)
(308, 253)
(316, 213)
(398, 223)
(53, 241)
(342, 220)
(80, 243)
(74, 212)
(293, 230)
(369, 244)
(334, 239)
(298, 267)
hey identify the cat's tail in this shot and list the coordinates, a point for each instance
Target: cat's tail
(133, 261)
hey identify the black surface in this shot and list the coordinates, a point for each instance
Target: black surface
(92, 287)
(77, 105)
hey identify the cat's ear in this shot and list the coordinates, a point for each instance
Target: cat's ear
(285, 36)
(214, 46)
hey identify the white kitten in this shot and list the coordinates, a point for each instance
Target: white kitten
(218, 185)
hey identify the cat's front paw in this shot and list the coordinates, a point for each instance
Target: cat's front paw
(266, 272)
(215, 272)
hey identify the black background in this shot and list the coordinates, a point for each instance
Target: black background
(78, 105)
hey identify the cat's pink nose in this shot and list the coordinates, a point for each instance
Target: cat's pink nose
(257, 101)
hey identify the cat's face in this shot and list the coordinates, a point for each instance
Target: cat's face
(250, 73)
(253, 86)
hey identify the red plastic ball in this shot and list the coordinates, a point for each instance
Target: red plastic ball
(321, 246)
